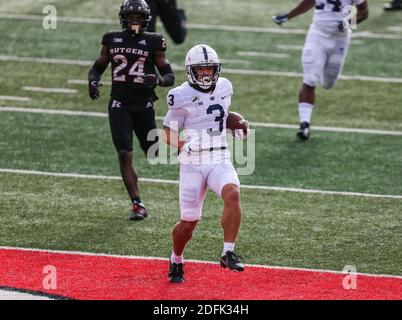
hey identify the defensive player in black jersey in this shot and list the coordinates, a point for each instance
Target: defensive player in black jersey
(134, 55)
(173, 18)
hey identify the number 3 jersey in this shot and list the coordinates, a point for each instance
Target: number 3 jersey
(328, 14)
(131, 58)
(203, 118)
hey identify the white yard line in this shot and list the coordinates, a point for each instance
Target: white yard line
(31, 17)
(195, 26)
(299, 75)
(395, 29)
(50, 90)
(175, 182)
(56, 112)
(357, 42)
(17, 295)
(46, 60)
(253, 124)
(371, 35)
(12, 98)
(224, 70)
(274, 55)
(198, 26)
(85, 82)
(237, 61)
(91, 254)
(326, 129)
(368, 78)
(290, 47)
(300, 47)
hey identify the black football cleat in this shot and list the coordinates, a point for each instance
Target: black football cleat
(176, 272)
(304, 131)
(138, 212)
(231, 260)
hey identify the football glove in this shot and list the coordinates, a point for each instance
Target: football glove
(343, 25)
(192, 147)
(151, 80)
(93, 90)
(280, 19)
(239, 134)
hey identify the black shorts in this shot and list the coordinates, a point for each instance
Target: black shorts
(126, 120)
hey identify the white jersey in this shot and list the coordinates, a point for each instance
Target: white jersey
(203, 118)
(328, 14)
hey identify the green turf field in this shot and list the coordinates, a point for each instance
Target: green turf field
(279, 228)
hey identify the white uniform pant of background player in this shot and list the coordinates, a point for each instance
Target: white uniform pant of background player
(323, 58)
(194, 182)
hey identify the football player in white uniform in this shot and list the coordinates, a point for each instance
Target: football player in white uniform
(200, 107)
(325, 49)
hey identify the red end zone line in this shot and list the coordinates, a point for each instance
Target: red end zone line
(93, 276)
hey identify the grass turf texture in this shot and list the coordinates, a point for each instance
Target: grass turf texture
(342, 162)
(313, 231)
(255, 13)
(372, 57)
(279, 228)
(264, 99)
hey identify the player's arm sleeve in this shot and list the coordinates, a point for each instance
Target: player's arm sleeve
(174, 119)
(167, 77)
(177, 113)
(159, 43)
(301, 8)
(362, 10)
(106, 39)
(101, 63)
(230, 88)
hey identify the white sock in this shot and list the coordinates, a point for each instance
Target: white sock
(176, 259)
(305, 111)
(227, 246)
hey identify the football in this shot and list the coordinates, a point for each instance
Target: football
(238, 125)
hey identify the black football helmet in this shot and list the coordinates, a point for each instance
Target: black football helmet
(134, 6)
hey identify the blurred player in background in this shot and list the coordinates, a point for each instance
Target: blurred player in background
(200, 107)
(173, 19)
(393, 5)
(325, 49)
(134, 55)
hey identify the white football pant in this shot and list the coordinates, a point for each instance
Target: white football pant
(194, 182)
(323, 58)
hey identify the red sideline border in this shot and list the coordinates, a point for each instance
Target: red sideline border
(88, 276)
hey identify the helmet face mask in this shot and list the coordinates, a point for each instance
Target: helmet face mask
(204, 81)
(134, 15)
(202, 57)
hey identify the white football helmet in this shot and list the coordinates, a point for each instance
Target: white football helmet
(202, 55)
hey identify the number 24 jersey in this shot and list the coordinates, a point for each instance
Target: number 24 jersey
(131, 58)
